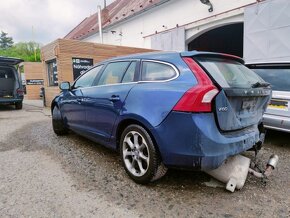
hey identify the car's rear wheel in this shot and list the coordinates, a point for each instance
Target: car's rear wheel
(57, 123)
(18, 105)
(139, 155)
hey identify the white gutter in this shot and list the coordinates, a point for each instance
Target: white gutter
(100, 23)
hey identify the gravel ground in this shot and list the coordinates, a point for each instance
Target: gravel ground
(42, 175)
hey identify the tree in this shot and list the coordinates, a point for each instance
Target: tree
(28, 51)
(5, 41)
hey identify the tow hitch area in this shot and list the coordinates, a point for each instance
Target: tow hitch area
(234, 171)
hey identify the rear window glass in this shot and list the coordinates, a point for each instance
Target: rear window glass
(153, 71)
(229, 73)
(278, 78)
(6, 74)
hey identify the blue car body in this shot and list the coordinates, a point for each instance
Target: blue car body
(195, 140)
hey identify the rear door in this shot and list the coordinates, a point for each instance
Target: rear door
(244, 95)
(104, 101)
(10, 61)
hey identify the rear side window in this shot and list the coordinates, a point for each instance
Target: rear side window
(229, 73)
(278, 78)
(113, 73)
(130, 73)
(155, 71)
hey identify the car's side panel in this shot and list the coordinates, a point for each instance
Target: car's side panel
(102, 107)
(154, 100)
(72, 109)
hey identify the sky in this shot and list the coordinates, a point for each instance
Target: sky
(43, 21)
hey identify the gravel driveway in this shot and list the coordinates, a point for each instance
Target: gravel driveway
(42, 175)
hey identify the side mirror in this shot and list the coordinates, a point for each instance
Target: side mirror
(64, 86)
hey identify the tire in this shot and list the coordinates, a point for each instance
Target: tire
(57, 123)
(139, 156)
(18, 105)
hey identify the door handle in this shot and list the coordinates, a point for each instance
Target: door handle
(79, 100)
(115, 98)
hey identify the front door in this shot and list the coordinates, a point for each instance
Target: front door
(104, 102)
(72, 107)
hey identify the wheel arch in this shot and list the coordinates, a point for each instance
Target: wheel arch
(124, 123)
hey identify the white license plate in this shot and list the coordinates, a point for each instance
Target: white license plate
(248, 104)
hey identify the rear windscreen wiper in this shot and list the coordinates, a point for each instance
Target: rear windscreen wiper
(260, 84)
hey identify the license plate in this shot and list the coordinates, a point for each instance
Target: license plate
(278, 104)
(248, 104)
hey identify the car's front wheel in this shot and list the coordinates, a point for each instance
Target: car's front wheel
(57, 123)
(139, 155)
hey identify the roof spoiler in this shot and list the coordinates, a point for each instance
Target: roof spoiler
(211, 54)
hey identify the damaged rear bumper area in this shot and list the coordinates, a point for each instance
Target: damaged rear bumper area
(234, 171)
(194, 141)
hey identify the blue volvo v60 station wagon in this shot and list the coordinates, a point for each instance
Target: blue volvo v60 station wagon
(160, 110)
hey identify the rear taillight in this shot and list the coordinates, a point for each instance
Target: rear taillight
(20, 91)
(198, 98)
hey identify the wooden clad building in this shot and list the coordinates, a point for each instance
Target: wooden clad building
(33, 78)
(65, 60)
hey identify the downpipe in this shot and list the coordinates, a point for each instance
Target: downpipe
(234, 171)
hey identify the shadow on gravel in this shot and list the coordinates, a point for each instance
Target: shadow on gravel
(95, 169)
(7, 107)
(278, 138)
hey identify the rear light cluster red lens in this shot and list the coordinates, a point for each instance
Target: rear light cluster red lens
(20, 91)
(198, 98)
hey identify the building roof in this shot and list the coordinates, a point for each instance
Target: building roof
(114, 13)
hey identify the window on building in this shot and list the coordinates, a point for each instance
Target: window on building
(113, 73)
(88, 78)
(52, 73)
(153, 71)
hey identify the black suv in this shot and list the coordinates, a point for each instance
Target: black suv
(11, 90)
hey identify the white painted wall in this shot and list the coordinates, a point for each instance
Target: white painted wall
(267, 32)
(137, 31)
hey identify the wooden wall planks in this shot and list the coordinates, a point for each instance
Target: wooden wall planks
(32, 71)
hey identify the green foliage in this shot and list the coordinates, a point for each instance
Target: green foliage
(23, 50)
(5, 41)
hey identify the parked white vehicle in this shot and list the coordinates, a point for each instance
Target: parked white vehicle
(277, 115)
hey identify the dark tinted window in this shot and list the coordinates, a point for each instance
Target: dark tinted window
(229, 73)
(130, 73)
(278, 78)
(87, 79)
(113, 73)
(153, 71)
(52, 73)
(6, 74)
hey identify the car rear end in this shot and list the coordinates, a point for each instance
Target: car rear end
(277, 115)
(218, 117)
(11, 91)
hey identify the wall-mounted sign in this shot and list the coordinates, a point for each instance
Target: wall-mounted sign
(52, 73)
(80, 65)
(34, 82)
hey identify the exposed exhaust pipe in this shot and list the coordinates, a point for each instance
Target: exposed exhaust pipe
(271, 165)
(100, 23)
(234, 171)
